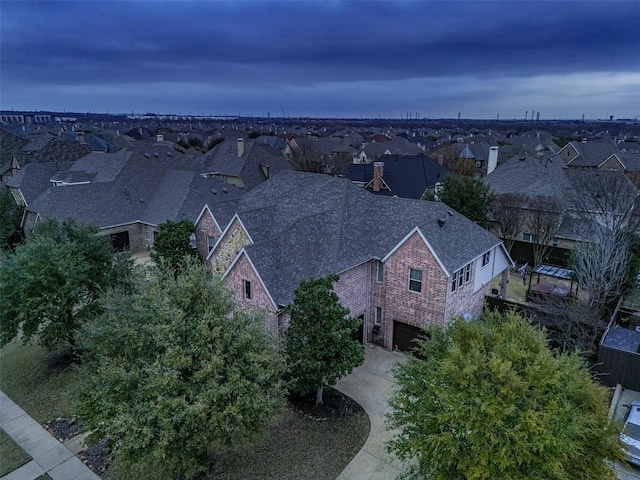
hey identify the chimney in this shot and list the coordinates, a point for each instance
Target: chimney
(492, 162)
(240, 147)
(378, 170)
(160, 137)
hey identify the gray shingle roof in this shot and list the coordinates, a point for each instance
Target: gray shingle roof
(310, 225)
(530, 176)
(124, 188)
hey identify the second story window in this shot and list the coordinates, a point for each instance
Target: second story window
(211, 242)
(247, 289)
(379, 271)
(415, 280)
(460, 277)
(486, 258)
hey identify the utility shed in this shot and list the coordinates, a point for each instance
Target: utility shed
(619, 357)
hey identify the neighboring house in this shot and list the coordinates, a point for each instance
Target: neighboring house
(601, 155)
(407, 176)
(126, 195)
(403, 264)
(19, 148)
(244, 164)
(552, 178)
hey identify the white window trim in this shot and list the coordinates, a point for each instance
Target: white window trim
(379, 272)
(486, 259)
(415, 280)
(246, 292)
(378, 319)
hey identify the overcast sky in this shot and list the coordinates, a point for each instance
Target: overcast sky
(323, 59)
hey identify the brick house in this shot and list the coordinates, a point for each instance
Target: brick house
(403, 264)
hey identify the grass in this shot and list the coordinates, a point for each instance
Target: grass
(295, 447)
(39, 382)
(11, 455)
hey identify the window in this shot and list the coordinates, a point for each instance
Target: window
(486, 258)
(415, 280)
(247, 289)
(378, 319)
(148, 232)
(211, 242)
(527, 237)
(461, 277)
(379, 271)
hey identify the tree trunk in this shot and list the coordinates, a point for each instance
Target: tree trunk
(319, 395)
(503, 283)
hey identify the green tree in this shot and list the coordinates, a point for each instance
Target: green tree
(492, 401)
(51, 284)
(469, 196)
(175, 371)
(172, 243)
(319, 342)
(10, 221)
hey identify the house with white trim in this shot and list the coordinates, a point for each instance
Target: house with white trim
(403, 264)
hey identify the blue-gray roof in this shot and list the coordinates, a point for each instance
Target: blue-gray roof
(310, 225)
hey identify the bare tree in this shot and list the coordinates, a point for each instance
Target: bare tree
(571, 324)
(508, 216)
(308, 159)
(606, 228)
(543, 220)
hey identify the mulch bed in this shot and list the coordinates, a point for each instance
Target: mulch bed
(63, 428)
(336, 405)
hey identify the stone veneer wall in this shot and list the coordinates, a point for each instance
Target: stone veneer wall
(234, 240)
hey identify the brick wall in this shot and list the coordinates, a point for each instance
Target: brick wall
(206, 227)
(464, 300)
(398, 302)
(243, 271)
(354, 290)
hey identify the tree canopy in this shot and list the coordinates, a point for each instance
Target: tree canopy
(51, 284)
(319, 342)
(467, 195)
(171, 243)
(490, 400)
(175, 371)
(10, 220)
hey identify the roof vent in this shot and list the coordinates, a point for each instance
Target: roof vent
(450, 213)
(169, 154)
(224, 190)
(214, 191)
(156, 154)
(146, 155)
(522, 159)
(441, 222)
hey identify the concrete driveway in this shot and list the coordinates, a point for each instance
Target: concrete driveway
(370, 385)
(625, 472)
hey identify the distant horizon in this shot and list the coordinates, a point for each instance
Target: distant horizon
(317, 59)
(158, 113)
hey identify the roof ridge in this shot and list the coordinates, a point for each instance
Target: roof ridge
(345, 196)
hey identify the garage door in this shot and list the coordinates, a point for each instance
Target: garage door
(120, 241)
(403, 335)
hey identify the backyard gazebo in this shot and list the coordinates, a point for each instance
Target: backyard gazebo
(544, 288)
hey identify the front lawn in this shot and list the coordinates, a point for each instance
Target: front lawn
(297, 446)
(11, 455)
(41, 383)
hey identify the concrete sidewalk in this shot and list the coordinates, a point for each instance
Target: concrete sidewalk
(370, 385)
(48, 454)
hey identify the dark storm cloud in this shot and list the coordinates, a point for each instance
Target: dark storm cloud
(259, 45)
